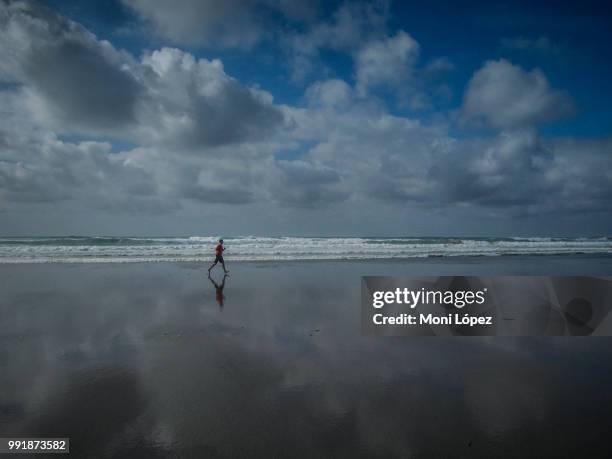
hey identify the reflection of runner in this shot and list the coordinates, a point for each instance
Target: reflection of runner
(219, 256)
(219, 289)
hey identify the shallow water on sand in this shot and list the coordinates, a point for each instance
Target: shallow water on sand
(142, 361)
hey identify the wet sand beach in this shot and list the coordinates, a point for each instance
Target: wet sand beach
(141, 360)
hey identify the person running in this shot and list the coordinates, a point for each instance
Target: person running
(219, 256)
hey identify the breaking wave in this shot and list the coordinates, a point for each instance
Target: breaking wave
(77, 249)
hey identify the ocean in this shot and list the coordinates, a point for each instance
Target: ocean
(101, 249)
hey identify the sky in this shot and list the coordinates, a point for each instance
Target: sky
(314, 118)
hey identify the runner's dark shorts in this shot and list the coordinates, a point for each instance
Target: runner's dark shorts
(219, 259)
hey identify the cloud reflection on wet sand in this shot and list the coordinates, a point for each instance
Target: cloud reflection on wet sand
(141, 361)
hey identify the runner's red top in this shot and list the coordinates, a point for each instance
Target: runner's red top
(219, 249)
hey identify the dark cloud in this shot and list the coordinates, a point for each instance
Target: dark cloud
(507, 171)
(208, 23)
(213, 182)
(224, 195)
(399, 161)
(516, 173)
(505, 96)
(37, 167)
(198, 136)
(582, 172)
(81, 88)
(75, 83)
(21, 182)
(192, 103)
(307, 184)
(81, 82)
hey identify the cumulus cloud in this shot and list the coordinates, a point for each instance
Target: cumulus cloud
(387, 61)
(192, 102)
(379, 156)
(333, 93)
(403, 162)
(307, 184)
(514, 173)
(504, 171)
(76, 83)
(582, 174)
(72, 78)
(346, 30)
(203, 138)
(229, 23)
(38, 167)
(505, 96)
(218, 180)
(380, 59)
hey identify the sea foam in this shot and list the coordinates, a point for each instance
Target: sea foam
(101, 249)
